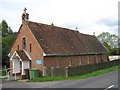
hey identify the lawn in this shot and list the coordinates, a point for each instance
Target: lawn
(88, 75)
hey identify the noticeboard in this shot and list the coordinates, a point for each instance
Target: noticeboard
(38, 62)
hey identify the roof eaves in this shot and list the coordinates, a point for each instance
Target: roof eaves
(77, 54)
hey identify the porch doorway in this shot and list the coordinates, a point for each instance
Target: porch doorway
(20, 62)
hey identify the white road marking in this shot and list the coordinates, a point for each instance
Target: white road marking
(109, 87)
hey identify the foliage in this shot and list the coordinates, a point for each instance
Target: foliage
(0, 29)
(6, 45)
(6, 30)
(5, 42)
(88, 75)
(111, 42)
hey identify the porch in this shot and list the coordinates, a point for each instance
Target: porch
(20, 61)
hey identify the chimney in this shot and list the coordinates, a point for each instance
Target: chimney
(94, 33)
(25, 16)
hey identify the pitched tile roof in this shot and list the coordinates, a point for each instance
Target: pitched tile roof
(22, 55)
(57, 40)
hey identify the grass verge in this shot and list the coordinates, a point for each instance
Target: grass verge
(88, 75)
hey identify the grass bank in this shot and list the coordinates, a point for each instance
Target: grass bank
(88, 75)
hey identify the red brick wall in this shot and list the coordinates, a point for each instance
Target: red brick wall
(104, 58)
(36, 54)
(64, 61)
(50, 61)
(75, 60)
(84, 60)
(92, 61)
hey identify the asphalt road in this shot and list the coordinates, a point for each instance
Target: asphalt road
(101, 81)
(109, 80)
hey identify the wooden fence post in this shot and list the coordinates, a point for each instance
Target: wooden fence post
(8, 76)
(44, 71)
(66, 71)
(15, 77)
(5, 72)
(52, 74)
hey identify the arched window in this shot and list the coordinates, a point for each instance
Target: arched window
(24, 43)
(18, 47)
(30, 47)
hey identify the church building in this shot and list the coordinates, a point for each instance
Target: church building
(40, 45)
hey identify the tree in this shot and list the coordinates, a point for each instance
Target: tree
(6, 40)
(4, 28)
(10, 30)
(52, 24)
(110, 41)
(6, 46)
(0, 29)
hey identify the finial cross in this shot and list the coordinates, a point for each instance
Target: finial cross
(25, 9)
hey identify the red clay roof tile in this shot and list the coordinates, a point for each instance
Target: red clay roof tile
(57, 40)
(22, 55)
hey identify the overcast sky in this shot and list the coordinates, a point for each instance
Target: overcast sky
(87, 15)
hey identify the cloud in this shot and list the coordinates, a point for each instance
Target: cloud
(83, 14)
(108, 22)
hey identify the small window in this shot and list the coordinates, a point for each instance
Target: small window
(30, 47)
(18, 47)
(24, 43)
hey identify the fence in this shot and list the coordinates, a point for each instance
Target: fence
(79, 70)
(5, 73)
(60, 72)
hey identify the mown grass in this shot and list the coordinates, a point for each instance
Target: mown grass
(88, 75)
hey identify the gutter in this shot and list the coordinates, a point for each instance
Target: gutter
(77, 54)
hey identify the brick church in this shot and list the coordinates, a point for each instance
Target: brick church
(40, 45)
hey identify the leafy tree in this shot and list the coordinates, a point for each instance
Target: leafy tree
(0, 29)
(4, 28)
(110, 39)
(10, 30)
(6, 40)
(111, 42)
(6, 46)
(52, 24)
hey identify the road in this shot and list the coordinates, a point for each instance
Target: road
(109, 80)
(101, 81)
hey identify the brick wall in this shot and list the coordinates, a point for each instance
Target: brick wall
(36, 51)
(65, 61)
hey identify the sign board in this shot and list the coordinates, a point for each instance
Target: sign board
(38, 62)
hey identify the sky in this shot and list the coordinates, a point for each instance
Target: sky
(88, 16)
